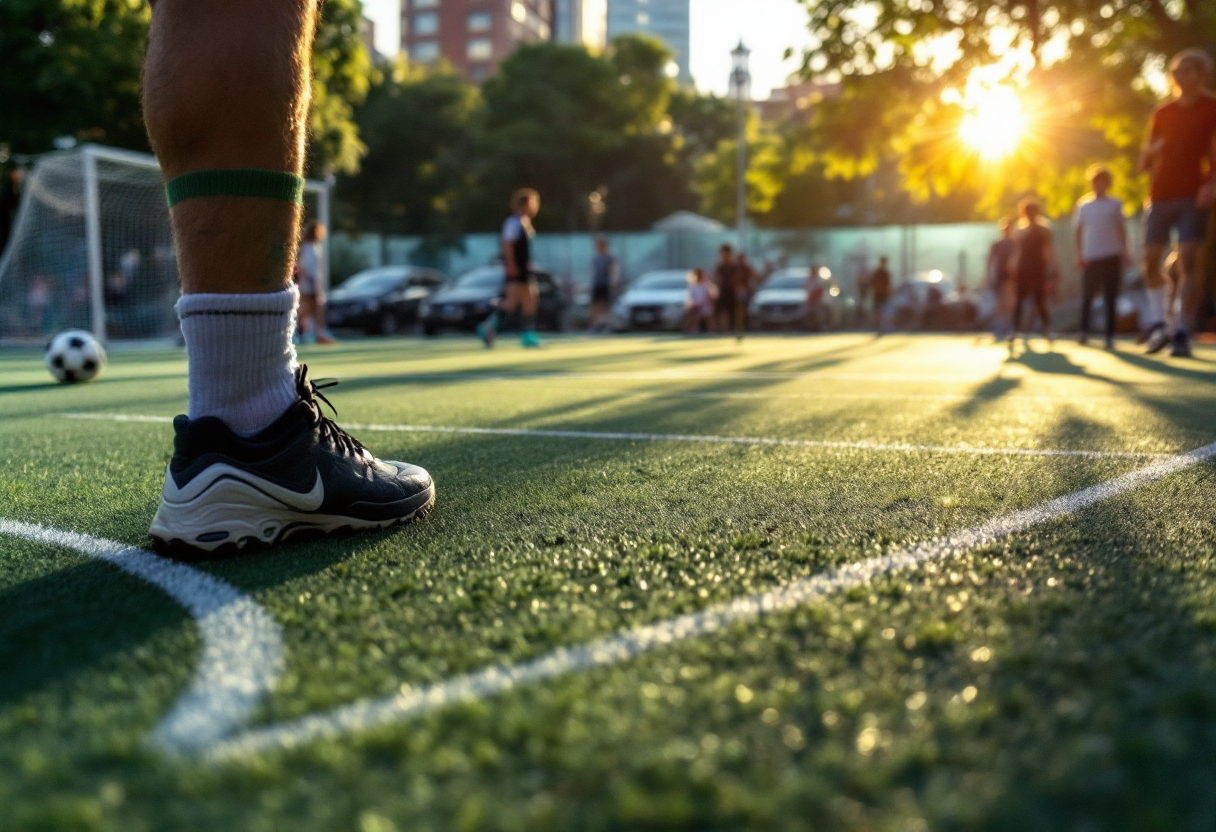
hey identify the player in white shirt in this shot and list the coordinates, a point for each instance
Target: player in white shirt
(1100, 235)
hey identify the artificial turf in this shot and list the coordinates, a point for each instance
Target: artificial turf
(1064, 678)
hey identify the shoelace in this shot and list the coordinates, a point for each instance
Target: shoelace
(310, 392)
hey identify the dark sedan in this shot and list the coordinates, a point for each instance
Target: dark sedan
(463, 306)
(382, 301)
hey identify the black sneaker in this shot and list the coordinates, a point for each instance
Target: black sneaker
(1182, 345)
(303, 475)
(1157, 341)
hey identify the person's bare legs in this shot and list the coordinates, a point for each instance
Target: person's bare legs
(1156, 289)
(225, 99)
(1191, 289)
(226, 85)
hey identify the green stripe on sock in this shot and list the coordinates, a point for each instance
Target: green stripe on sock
(248, 182)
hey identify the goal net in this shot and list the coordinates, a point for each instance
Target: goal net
(91, 248)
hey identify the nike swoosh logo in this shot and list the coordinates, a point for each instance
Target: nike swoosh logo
(217, 475)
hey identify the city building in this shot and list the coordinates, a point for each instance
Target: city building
(797, 100)
(472, 35)
(367, 33)
(668, 20)
(583, 22)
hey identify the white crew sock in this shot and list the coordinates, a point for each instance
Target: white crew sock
(1156, 306)
(240, 358)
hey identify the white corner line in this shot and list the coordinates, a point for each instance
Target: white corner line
(709, 440)
(242, 656)
(610, 650)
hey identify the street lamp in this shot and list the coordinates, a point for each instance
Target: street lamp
(741, 81)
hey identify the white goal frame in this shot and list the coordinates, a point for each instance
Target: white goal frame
(90, 154)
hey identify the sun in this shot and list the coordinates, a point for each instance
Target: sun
(996, 122)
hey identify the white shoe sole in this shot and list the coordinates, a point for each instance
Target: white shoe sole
(235, 514)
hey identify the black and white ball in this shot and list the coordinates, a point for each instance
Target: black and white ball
(74, 356)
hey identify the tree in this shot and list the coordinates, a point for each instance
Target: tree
(420, 127)
(72, 68)
(568, 123)
(341, 74)
(1085, 69)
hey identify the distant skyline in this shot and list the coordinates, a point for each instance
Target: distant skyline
(767, 27)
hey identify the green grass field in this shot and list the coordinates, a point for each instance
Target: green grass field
(1061, 676)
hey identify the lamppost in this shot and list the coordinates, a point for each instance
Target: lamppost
(741, 81)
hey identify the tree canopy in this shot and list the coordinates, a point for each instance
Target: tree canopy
(72, 68)
(1087, 72)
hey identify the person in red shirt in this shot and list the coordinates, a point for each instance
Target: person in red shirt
(1178, 155)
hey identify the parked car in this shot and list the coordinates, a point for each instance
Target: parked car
(791, 299)
(382, 301)
(656, 300)
(464, 305)
(930, 300)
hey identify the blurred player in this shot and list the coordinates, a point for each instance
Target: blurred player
(700, 304)
(312, 289)
(1178, 155)
(724, 282)
(880, 288)
(225, 95)
(1100, 237)
(520, 291)
(1034, 264)
(1000, 255)
(604, 269)
(744, 279)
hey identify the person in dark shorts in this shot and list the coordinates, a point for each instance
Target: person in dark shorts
(1000, 254)
(1034, 265)
(1180, 157)
(604, 270)
(1100, 236)
(520, 291)
(724, 281)
(880, 289)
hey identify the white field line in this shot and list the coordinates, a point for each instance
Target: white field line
(242, 645)
(610, 650)
(706, 439)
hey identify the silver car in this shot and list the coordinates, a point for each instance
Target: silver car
(791, 298)
(656, 300)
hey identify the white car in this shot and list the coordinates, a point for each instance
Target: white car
(656, 300)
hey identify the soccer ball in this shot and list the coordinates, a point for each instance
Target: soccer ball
(75, 355)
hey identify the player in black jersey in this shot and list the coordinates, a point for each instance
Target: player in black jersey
(520, 291)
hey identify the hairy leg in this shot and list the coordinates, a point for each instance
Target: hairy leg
(226, 85)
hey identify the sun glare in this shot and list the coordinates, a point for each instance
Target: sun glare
(995, 124)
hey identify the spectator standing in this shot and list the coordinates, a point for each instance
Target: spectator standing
(816, 317)
(744, 279)
(312, 285)
(1180, 157)
(37, 299)
(700, 304)
(880, 288)
(1034, 266)
(604, 271)
(1000, 279)
(1100, 237)
(724, 282)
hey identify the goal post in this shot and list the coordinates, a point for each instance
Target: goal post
(91, 248)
